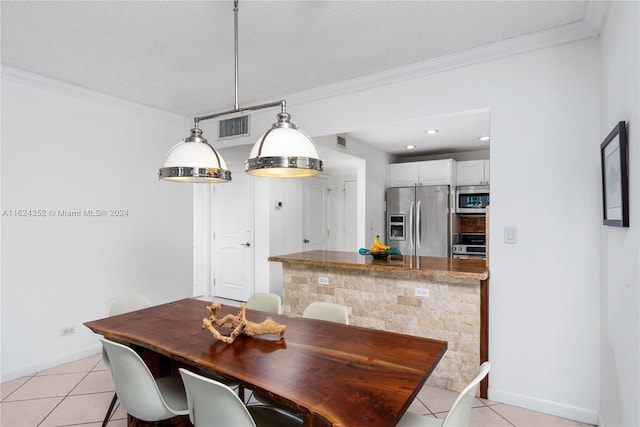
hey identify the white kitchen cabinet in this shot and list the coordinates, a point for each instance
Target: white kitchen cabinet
(429, 172)
(403, 174)
(436, 172)
(472, 172)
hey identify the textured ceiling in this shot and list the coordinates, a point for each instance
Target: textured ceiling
(177, 56)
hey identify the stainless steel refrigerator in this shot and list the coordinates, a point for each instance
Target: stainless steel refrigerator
(419, 220)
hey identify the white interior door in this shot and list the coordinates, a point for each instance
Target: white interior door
(315, 213)
(233, 252)
(350, 216)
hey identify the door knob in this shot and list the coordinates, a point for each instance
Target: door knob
(305, 241)
(246, 245)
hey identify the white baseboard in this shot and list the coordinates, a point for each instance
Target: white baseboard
(27, 371)
(582, 415)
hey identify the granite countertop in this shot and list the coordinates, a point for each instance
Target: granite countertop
(427, 266)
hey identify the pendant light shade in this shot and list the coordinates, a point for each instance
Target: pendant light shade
(284, 151)
(194, 160)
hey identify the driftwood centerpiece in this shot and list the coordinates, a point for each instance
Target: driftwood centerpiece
(239, 324)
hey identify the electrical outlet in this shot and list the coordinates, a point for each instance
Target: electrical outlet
(69, 330)
(422, 292)
(323, 281)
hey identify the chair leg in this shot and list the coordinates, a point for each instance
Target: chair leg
(108, 414)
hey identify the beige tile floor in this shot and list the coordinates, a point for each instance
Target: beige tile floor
(78, 394)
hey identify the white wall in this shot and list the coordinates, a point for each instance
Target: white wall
(64, 148)
(285, 224)
(544, 328)
(620, 295)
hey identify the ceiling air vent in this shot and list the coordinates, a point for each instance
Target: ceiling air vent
(341, 142)
(234, 127)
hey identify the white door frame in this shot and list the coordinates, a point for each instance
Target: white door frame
(202, 234)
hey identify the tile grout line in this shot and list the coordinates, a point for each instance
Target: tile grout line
(486, 405)
(500, 415)
(30, 377)
(426, 406)
(86, 374)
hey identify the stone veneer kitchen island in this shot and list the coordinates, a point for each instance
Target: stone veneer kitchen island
(381, 294)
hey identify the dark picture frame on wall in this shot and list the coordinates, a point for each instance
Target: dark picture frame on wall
(615, 177)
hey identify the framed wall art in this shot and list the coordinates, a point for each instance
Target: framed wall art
(615, 177)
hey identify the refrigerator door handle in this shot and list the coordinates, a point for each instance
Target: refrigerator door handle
(411, 230)
(418, 229)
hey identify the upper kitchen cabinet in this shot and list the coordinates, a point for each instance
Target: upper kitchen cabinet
(472, 172)
(403, 174)
(437, 172)
(430, 172)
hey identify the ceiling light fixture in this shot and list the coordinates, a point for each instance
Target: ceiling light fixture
(432, 131)
(283, 151)
(410, 147)
(484, 138)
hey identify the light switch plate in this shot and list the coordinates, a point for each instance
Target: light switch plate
(511, 234)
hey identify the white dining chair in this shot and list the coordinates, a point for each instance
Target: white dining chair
(212, 404)
(127, 303)
(265, 301)
(120, 305)
(141, 395)
(330, 311)
(460, 411)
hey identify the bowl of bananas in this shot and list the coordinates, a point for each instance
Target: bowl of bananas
(379, 250)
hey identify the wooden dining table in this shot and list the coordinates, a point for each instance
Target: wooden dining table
(332, 374)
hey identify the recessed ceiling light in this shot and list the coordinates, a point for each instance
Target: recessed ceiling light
(432, 131)
(410, 147)
(484, 138)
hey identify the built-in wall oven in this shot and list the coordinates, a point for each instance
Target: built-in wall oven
(470, 245)
(472, 199)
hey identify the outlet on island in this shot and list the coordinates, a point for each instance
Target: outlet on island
(422, 292)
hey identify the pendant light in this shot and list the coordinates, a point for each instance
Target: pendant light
(194, 160)
(283, 151)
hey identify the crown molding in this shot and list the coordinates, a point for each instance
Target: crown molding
(596, 13)
(552, 37)
(32, 79)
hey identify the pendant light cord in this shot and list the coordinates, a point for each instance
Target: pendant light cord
(235, 50)
(236, 106)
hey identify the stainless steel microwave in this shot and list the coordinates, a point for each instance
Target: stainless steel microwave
(472, 199)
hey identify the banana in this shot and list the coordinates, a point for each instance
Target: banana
(380, 245)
